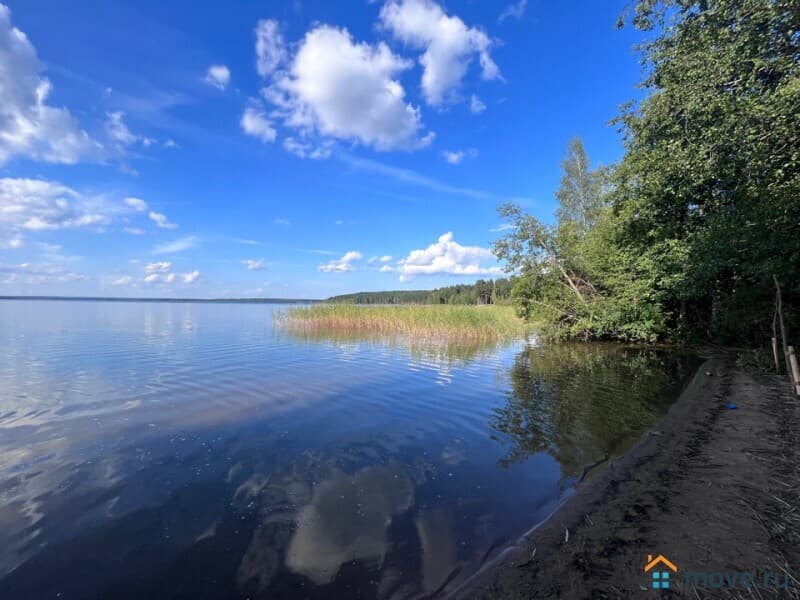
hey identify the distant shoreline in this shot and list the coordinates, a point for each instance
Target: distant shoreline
(172, 300)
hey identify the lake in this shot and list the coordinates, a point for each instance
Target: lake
(184, 450)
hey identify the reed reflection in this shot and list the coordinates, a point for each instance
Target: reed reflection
(196, 451)
(440, 350)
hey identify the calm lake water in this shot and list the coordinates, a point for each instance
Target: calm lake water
(154, 450)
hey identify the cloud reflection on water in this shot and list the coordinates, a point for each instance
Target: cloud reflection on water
(159, 450)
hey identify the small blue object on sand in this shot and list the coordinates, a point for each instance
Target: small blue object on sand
(732, 406)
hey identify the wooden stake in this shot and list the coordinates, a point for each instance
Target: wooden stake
(779, 308)
(795, 370)
(775, 336)
(775, 354)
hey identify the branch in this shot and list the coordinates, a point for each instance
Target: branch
(569, 281)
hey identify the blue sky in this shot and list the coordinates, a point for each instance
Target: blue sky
(289, 149)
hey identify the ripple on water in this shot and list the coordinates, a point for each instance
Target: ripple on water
(194, 449)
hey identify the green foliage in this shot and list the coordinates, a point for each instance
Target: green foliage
(710, 182)
(681, 239)
(757, 359)
(579, 194)
(392, 297)
(481, 292)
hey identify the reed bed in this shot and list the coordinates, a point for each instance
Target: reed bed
(475, 323)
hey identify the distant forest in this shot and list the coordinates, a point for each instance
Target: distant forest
(483, 291)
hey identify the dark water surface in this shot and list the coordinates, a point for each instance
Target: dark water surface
(197, 451)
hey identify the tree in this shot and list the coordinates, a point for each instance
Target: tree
(579, 195)
(709, 188)
(683, 236)
(556, 286)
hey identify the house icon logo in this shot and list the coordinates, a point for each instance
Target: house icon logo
(659, 569)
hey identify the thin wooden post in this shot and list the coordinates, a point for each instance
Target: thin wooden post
(775, 354)
(775, 336)
(795, 370)
(779, 307)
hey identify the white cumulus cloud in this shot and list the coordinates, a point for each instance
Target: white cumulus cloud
(29, 126)
(161, 220)
(13, 243)
(136, 204)
(341, 264)
(337, 88)
(476, 106)
(448, 44)
(117, 130)
(307, 149)
(161, 272)
(448, 257)
(254, 264)
(254, 122)
(455, 157)
(218, 76)
(124, 280)
(158, 267)
(36, 205)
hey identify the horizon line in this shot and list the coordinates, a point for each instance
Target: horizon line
(263, 300)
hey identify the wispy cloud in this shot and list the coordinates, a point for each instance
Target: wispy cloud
(454, 157)
(515, 10)
(254, 264)
(247, 242)
(161, 220)
(38, 274)
(417, 179)
(314, 251)
(136, 204)
(476, 105)
(158, 267)
(175, 246)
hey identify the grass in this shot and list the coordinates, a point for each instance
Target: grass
(420, 321)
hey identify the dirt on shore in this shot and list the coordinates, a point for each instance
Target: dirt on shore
(713, 488)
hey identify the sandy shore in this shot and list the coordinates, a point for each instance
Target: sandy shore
(714, 489)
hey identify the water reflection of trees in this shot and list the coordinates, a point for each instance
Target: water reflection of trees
(583, 402)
